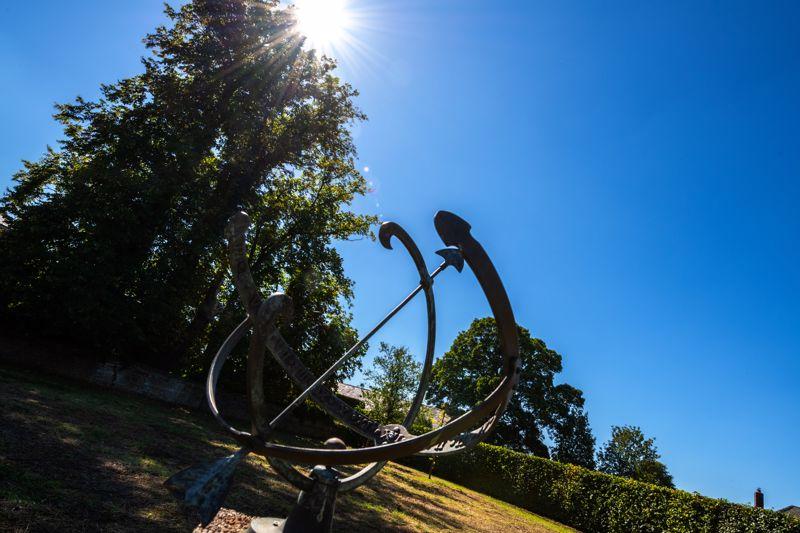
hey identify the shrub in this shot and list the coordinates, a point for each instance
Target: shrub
(592, 501)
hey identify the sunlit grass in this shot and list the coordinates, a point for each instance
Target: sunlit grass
(82, 458)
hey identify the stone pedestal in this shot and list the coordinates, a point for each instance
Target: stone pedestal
(266, 525)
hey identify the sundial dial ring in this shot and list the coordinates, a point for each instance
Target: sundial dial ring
(204, 486)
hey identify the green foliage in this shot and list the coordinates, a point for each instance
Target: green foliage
(654, 472)
(594, 501)
(392, 384)
(628, 453)
(472, 368)
(574, 442)
(115, 239)
(423, 423)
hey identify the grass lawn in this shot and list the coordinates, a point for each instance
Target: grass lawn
(78, 458)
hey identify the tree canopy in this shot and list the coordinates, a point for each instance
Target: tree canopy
(628, 453)
(114, 239)
(472, 368)
(392, 383)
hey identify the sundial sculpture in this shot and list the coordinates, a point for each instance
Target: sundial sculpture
(204, 487)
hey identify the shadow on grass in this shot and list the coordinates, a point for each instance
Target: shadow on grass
(75, 457)
(79, 458)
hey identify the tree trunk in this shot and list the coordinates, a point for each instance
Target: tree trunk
(202, 317)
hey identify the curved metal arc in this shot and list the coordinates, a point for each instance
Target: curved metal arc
(384, 452)
(455, 232)
(353, 456)
(216, 369)
(235, 231)
(376, 454)
(258, 313)
(263, 314)
(288, 472)
(385, 234)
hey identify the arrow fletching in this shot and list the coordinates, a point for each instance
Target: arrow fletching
(203, 487)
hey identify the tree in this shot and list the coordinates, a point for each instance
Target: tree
(114, 240)
(424, 421)
(654, 472)
(472, 368)
(392, 384)
(629, 454)
(574, 442)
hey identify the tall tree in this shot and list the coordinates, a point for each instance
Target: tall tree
(392, 382)
(472, 368)
(654, 472)
(574, 442)
(114, 239)
(628, 453)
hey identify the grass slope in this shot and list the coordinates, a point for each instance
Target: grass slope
(78, 458)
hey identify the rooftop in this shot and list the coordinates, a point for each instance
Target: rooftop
(792, 510)
(357, 393)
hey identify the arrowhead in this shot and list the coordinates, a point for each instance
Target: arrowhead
(452, 257)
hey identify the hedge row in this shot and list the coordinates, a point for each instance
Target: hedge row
(594, 502)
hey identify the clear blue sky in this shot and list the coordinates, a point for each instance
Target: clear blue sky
(632, 169)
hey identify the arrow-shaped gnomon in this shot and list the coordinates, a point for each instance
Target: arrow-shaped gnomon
(452, 257)
(204, 486)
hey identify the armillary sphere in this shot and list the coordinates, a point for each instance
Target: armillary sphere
(204, 487)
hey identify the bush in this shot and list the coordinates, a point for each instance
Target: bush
(593, 501)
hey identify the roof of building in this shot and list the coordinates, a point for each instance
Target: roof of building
(792, 510)
(350, 391)
(357, 393)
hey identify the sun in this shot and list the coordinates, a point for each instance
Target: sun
(324, 23)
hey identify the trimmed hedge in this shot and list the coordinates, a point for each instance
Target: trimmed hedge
(594, 502)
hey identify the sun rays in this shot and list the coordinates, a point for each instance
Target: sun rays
(331, 27)
(324, 23)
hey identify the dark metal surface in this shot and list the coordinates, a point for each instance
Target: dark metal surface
(391, 441)
(455, 231)
(204, 487)
(315, 506)
(456, 435)
(387, 231)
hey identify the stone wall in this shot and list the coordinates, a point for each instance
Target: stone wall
(57, 360)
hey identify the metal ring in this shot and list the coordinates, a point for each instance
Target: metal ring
(457, 434)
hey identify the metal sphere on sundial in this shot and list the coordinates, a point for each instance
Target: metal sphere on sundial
(204, 486)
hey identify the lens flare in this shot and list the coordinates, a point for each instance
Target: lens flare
(324, 23)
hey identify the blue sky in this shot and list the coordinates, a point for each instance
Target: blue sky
(632, 169)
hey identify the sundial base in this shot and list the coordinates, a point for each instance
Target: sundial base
(266, 525)
(314, 510)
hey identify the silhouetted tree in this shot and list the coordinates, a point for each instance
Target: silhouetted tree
(574, 442)
(472, 368)
(628, 453)
(654, 472)
(392, 384)
(115, 238)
